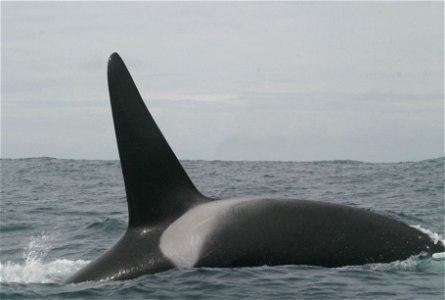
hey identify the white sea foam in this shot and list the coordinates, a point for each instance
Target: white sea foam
(437, 238)
(39, 272)
(413, 263)
(434, 236)
(34, 268)
(439, 256)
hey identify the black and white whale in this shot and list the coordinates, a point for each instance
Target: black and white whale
(171, 224)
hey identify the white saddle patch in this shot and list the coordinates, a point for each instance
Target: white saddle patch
(183, 240)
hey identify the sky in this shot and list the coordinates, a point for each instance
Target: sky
(289, 81)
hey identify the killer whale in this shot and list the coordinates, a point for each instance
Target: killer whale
(171, 224)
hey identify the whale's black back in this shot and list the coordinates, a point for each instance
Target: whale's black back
(290, 231)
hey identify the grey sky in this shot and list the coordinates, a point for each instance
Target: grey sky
(229, 80)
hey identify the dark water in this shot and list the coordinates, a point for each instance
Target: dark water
(56, 215)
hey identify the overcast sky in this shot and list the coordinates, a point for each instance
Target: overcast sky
(297, 81)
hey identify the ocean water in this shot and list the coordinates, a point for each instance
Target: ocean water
(57, 215)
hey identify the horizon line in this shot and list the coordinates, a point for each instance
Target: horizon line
(237, 160)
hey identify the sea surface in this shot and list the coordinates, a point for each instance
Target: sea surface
(58, 214)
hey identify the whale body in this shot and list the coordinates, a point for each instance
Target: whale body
(172, 225)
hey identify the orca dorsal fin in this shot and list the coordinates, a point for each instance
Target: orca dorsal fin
(156, 185)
